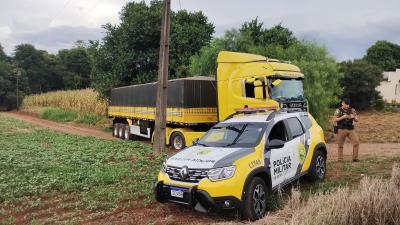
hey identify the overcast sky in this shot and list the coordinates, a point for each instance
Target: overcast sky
(346, 27)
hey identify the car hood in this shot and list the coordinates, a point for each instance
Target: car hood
(200, 157)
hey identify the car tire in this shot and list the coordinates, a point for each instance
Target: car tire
(177, 141)
(318, 166)
(127, 133)
(115, 129)
(255, 200)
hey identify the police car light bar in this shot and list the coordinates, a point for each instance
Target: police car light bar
(257, 109)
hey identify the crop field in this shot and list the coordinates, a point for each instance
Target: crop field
(54, 178)
(85, 101)
(49, 177)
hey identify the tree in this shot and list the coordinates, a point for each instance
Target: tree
(359, 82)
(76, 66)
(321, 83)
(3, 55)
(276, 35)
(8, 88)
(40, 67)
(128, 54)
(384, 54)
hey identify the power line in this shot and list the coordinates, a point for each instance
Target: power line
(60, 11)
(93, 7)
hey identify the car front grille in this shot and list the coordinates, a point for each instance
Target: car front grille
(194, 175)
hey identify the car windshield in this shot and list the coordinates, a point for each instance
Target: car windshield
(235, 135)
(288, 89)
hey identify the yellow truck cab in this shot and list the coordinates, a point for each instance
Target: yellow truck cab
(240, 160)
(195, 104)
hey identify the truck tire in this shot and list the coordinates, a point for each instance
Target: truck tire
(177, 141)
(115, 129)
(255, 200)
(121, 131)
(318, 166)
(127, 133)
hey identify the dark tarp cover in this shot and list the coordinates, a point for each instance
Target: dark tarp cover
(192, 92)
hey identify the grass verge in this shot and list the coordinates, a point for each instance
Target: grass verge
(62, 115)
(42, 167)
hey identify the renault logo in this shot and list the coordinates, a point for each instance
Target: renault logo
(183, 173)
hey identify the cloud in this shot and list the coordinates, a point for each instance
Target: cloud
(347, 28)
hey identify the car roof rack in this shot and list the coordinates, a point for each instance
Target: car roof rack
(247, 110)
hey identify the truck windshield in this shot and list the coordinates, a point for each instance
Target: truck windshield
(234, 135)
(288, 89)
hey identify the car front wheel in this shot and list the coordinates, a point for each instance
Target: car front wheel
(255, 200)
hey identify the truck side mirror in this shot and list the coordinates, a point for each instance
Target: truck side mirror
(274, 144)
(195, 141)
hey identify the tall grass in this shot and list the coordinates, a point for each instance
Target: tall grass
(376, 201)
(85, 101)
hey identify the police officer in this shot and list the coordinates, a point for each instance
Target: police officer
(345, 116)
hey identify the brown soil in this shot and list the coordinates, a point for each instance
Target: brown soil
(69, 128)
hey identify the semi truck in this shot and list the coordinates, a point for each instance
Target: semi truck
(195, 104)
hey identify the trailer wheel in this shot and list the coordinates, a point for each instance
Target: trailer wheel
(121, 131)
(115, 129)
(177, 141)
(127, 133)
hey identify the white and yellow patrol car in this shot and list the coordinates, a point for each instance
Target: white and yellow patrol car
(239, 161)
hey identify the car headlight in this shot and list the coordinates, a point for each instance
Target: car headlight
(221, 173)
(164, 167)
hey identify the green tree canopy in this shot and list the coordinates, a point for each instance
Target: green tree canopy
(40, 67)
(128, 54)
(359, 82)
(8, 85)
(76, 66)
(321, 82)
(384, 54)
(3, 55)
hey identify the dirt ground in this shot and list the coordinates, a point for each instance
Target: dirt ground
(69, 128)
(375, 127)
(372, 128)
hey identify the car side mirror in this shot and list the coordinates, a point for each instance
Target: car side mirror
(195, 141)
(275, 143)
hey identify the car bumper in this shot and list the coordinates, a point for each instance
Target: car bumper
(200, 200)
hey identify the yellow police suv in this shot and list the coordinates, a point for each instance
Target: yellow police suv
(239, 161)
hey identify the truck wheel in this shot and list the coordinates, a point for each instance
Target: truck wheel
(127, 133)
(178, 141)
(255, 200)
(318, 166)
(121, 131)
(115, 129)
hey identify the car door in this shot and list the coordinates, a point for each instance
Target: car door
(278, 158)
(296, 146)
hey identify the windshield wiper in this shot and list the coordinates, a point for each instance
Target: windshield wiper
(237, 137)
(202, 144)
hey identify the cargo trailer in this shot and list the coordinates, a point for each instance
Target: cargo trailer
(195, 104)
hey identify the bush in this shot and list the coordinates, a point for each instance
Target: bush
(379, 104)
(61, 115)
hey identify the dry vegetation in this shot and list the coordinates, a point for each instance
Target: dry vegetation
(375, 127)
(375, 201)
(85, 101)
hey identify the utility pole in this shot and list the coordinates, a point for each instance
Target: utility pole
(17, 75)
(161, 106)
